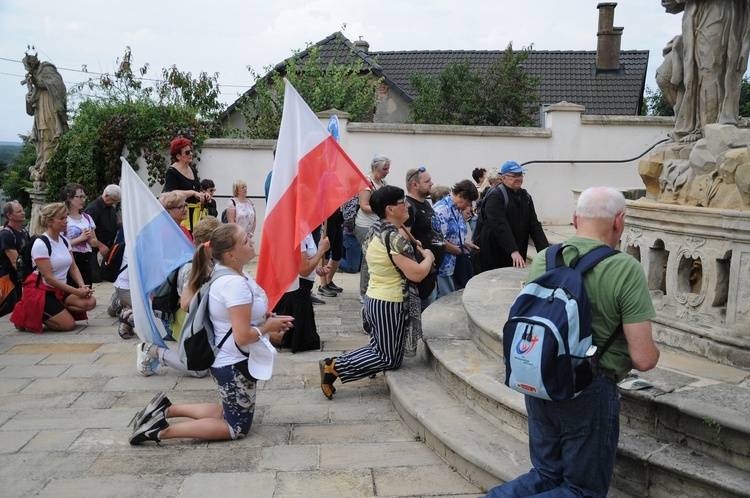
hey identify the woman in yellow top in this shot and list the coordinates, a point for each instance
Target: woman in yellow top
(392, 304)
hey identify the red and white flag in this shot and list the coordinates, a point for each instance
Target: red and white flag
(312, 177)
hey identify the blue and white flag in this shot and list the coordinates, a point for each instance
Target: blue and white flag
(155, 246)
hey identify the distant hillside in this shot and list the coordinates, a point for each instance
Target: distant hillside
(9, 150)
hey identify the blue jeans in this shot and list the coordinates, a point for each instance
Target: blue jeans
(445, 285)
(352, 258)
(572, 445)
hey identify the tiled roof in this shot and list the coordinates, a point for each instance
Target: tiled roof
(565, 75)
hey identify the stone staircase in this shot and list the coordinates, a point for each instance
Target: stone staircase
(688, 435)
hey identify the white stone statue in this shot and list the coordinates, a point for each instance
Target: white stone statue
(703, 67)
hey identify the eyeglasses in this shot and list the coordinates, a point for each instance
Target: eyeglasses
(181, 207)
(400, 202)
(188, 152)
(515, 175)
(79, 196)
(420, 170)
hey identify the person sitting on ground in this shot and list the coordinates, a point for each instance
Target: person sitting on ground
(237, 306)
(47, 297)
(147, 352)
(392, 304)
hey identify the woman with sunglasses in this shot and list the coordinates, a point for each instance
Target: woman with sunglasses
(392, 304)
(80, 232)
(47, 298)
(182, 179)
(177, 209)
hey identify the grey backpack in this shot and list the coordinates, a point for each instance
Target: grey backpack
(197, 349)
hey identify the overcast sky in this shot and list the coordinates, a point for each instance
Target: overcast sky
(227, 36)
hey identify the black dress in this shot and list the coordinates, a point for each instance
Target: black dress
(174, 180)
(303, 336)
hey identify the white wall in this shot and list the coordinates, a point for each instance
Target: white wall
(450, 153)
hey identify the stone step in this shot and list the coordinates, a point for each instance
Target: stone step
(473, 375)
(694, 402)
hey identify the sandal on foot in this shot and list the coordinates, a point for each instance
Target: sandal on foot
(124, 332)
(328, 376)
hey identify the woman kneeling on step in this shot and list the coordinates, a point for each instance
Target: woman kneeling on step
(237, 306)
(392, 304)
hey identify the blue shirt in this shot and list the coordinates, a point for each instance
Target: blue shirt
(449, 221)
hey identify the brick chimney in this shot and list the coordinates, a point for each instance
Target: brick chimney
(608, 39)
(362, 45)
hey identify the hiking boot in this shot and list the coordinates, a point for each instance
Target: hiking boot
(366, 329)
(328, 376)
(145, 356)
(315, 299)
(325, 291)
(335, 288)
(158, 405)
(150, 430)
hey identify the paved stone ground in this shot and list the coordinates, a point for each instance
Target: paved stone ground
(67, 399)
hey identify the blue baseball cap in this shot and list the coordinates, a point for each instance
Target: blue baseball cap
(512, 167)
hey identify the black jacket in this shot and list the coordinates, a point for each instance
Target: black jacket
(502, 231)
(105, 218)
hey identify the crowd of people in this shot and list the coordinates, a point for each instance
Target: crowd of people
(411, 246)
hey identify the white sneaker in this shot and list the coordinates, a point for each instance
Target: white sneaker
(145, 357)
(362, 299)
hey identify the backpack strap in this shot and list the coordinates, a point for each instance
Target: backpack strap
(216, 276)
(592, 258)
(583, 263)
(504, 190)
(388, 252)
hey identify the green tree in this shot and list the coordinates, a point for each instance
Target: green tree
(118, 112)
(654, 103)
(16, 179)
(745, 97)
(339, 83)
(504, 95)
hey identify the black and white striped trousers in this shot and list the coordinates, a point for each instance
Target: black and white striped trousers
(386, 348)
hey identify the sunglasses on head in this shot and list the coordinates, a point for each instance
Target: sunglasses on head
(420, 170)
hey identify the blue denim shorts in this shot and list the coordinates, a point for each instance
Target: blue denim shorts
(237, 397)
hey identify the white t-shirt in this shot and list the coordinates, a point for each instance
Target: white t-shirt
(366, 220)
(227, 292)
(308, 247)
(60, 259)
(76, 228)
(123, 279)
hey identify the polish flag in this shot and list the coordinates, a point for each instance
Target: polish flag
(312, 177)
